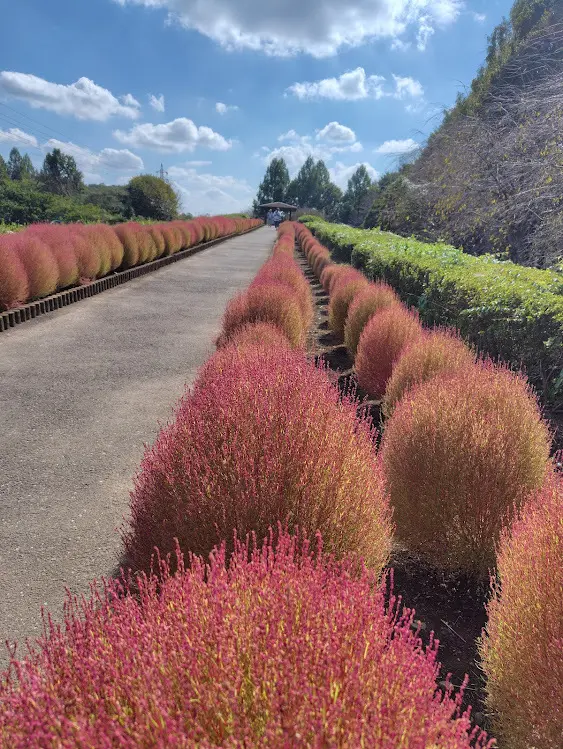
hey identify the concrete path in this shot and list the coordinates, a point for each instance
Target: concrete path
(81, 391)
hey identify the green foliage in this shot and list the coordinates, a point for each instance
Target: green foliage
(152, 197)
(505, 309)
(60, 175)
(110, 198)
(273, 187)
(22, 203)
(19, 167)
(3, 169)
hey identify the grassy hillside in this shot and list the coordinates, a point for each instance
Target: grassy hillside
(490, 178)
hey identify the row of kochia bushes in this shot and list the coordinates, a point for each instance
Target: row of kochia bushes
(465, 460)
(505, 309)
(45, 258)
(281, 636)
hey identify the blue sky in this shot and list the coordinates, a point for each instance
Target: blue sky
(234, 83)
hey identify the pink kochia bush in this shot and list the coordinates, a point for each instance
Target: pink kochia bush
(461, 453)
(14, 287)
(55, 257)
(522, 650)
(263, 438)
(258, 333)
(382, 342)
(281, 647)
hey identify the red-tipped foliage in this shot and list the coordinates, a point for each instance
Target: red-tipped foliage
(40, 265)
(522, 650)
(128, 235)
(158, 239)
(282, 647)
(264, 437)
(331, 273)
(97, 242)
(283, 269)
(461, 453)
(14, 288)
(59, 239)
(112, 243)
(271, 302)
(345, 290)
(436, 351)
(373, 298)
(256, 334)
(381, 343)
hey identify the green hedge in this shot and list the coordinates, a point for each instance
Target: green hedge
(506, 310)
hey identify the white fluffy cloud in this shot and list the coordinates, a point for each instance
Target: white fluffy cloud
(177, 136)
(91, 163)
(479, 17)
(209, 193)
(356, 85)
(16, 137)
(332, 139)
(396, 147)
(83, 99)
(157, 102)
(334, 132)
(224, 108)
(317, 27)
(340, 173)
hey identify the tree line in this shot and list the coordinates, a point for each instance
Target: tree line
(312, 190)
(57, 192)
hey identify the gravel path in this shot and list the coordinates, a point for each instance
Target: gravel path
(81, 391)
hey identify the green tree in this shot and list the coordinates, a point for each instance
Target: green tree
(60, 175)
(27, 168)
(273, 188)
(15, 164)
(110, 198)
(356, 201)
(152, 197)
(331, 200)
(3, 169)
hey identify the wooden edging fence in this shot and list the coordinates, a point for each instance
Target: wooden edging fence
(30, 311)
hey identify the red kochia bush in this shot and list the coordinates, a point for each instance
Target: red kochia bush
(264, 437)
(344, 292)
(373, 298)
(14, 288)
(129, 236)
(460, 453)
(434, 352)
(381, 343)
(281, 647)
(59, 239)
(283, 268)
(40, 265)
(522, 651)
(274, 303)
(259, 334)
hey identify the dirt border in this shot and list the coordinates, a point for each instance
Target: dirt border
(13, 317)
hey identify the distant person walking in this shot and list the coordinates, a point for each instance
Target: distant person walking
(278, 218)
(270, 217)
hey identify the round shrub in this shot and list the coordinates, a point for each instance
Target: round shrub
(382, 341)
(371, 299)
(98, 242)
(522, 651)
(59, 239)
(434, 352)
(274, 303)
(284, 269)
(112, 243)
(158, 239)
(263, 438)
(129, 239)
(331, 274)
(14, 288)
(40, 265)
(258, 334)
(87, 255)
(344, 293)
(281, 647)
(460, 454)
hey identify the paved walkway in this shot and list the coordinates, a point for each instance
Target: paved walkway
(81, 391)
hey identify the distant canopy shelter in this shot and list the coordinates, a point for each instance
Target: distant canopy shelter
(285, 207)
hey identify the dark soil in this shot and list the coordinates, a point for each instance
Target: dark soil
(451, 607)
